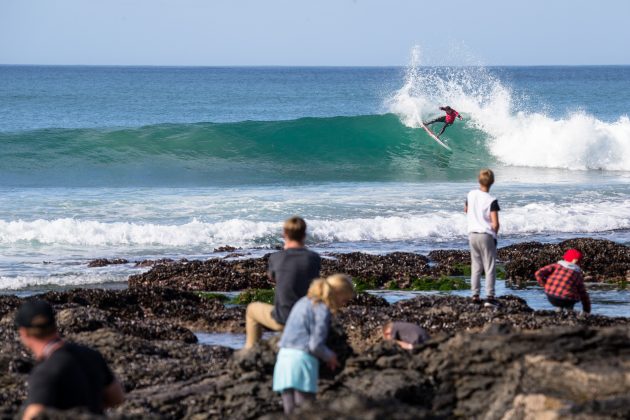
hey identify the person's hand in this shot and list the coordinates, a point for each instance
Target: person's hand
(404, 345)
(333, 362)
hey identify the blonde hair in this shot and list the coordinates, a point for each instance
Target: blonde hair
(486, 177)
(331, 290)
(295, 228)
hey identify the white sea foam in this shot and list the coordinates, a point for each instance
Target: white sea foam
(443, 225)
(578, 141)
(93, 233)
(31, 281)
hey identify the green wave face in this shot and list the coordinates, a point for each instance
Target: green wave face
(338, 149)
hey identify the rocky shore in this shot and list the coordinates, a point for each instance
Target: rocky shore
(509, 362)
(604, 261)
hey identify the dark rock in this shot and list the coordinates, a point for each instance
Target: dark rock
(367, 299)
(402, 266)
(213, 274)
(449, 262)
(225, 248)
(151, 263)
(603, 261)
(508, 362)
(102, 262)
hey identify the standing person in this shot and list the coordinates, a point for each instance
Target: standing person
(303, 341)
(482, 214)
(447, 119)
(67, 375)
(292, 271)
(564, 283)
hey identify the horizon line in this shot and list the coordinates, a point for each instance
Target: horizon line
(302, 65)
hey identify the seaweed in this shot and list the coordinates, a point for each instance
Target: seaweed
(254, 295)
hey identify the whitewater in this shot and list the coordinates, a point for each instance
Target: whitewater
(141, 163)
(514, 135)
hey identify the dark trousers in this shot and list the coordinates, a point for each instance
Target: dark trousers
(561, 303)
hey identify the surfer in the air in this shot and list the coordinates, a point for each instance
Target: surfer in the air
(447, 119)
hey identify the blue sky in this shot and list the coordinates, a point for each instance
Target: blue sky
(315, 32)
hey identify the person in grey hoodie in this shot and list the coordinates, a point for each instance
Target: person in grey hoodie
(303, 342)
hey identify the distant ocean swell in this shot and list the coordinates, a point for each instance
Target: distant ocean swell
(440, 226)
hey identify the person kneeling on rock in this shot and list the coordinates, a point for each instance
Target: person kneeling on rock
(405, 334)
(303, 341)
(564, 283)
(67, 375)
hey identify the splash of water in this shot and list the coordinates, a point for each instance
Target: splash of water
(514, 136)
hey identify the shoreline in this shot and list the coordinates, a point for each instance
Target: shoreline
(512, 355)
(146, 336)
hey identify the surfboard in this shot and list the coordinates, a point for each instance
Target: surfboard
(434, 137)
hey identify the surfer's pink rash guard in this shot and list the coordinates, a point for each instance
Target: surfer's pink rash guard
(450, 116)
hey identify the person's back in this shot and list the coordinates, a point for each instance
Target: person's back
(482, 215)
(72, 376)
(480, 205)
(406, 334)
(451, 114)
(67, 375)
(293, 270)
(303, 341)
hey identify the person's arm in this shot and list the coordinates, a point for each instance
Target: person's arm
(42, 393)
(494, 221)
(584, 297)
(113, 394)
(319, 333)
(543, 274)
(404, 345)
(270, 272)
(494, 216)
(32, 410)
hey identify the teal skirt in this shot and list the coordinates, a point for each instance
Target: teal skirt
(295, 369)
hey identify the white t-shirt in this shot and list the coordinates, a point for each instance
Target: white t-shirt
(480, 204)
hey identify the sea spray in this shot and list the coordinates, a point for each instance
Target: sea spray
(513, 134)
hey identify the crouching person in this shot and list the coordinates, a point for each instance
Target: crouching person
(405, 334)
(67, 375)
(564, 283)
(303, 341)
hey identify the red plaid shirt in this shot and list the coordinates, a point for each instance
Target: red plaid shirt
(562, 282)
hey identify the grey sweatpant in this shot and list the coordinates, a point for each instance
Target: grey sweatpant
(483, 255)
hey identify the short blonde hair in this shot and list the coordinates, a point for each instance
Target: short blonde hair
(486, 177)
(330, 290)
(295, 228)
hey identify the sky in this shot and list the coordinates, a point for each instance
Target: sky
(313, 33)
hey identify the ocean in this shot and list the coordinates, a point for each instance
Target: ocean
(154, 162)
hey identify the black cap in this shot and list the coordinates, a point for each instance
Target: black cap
(35, 313)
